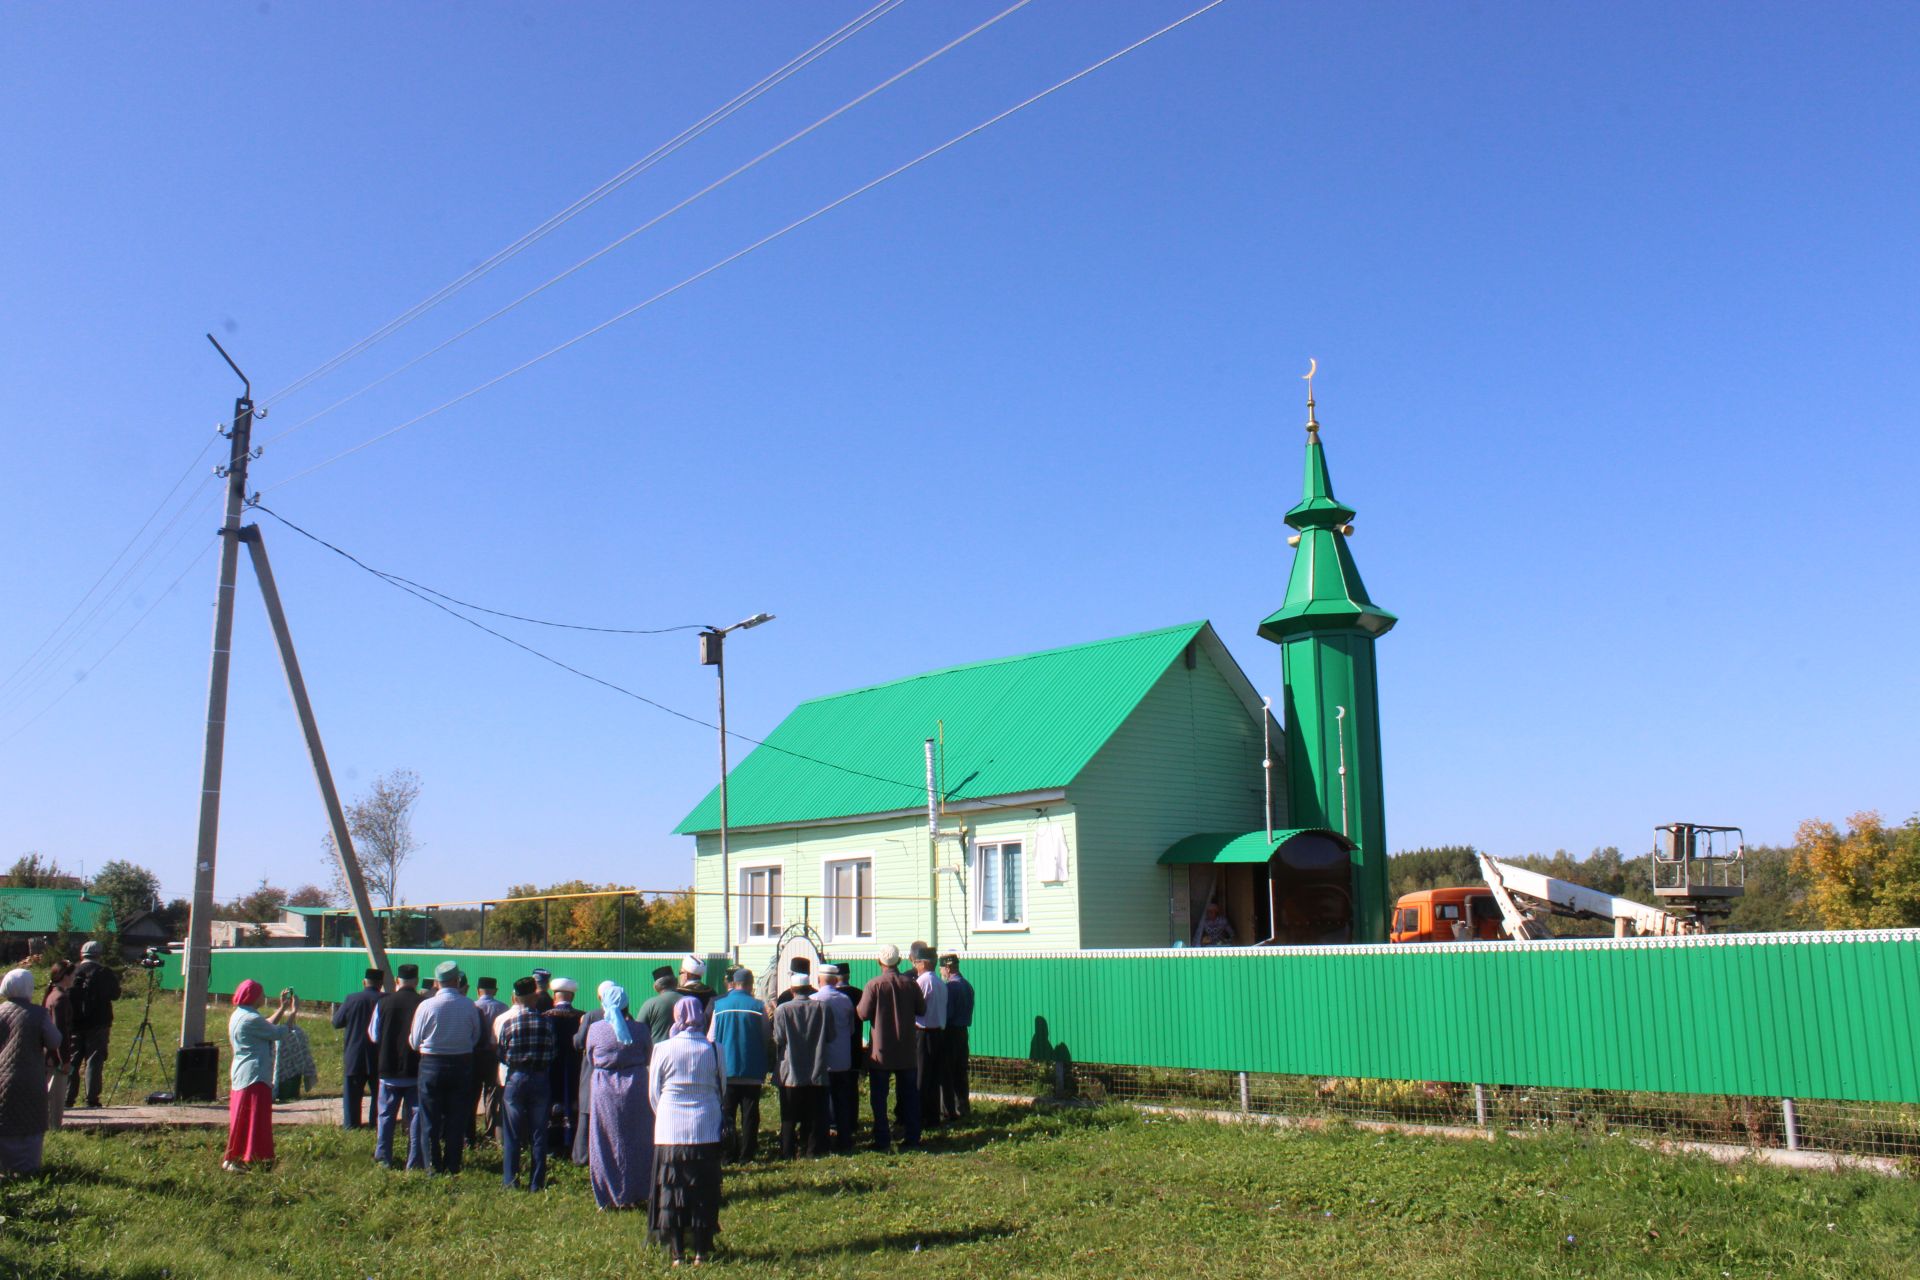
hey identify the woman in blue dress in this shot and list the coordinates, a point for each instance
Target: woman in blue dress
(619, 1113)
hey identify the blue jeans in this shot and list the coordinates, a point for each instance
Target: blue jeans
(391, 1096)
(446, 1104)
(523, 1124)
(906, 1107)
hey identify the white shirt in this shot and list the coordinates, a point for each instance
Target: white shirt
(935, 990)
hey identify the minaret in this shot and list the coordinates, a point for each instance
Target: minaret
(1325, 630)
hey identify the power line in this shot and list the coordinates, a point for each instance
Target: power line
(765, 240)
(80, 634)
(97, 662)
(118, 556)
(468, 604)
(593, 197)
(654, 221)
(918, 788)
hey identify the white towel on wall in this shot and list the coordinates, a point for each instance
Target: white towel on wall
(1050, 853)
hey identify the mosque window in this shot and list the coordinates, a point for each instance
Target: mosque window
(1001, 887)
(849, 891)
(760, 901)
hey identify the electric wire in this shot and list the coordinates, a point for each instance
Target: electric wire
(713, 118)
(654, 221)
(741, 253)
(99, 616)
(82, 676)
(918, 788)
(118, 556)
(468, 604)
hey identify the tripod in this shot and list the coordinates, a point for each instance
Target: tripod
(144, 1033)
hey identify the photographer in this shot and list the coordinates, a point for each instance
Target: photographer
(253, 1040)
(94, 989)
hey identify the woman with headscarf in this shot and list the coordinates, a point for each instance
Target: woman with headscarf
(686, 1085)
(28, 1039)
(253, 1039)
(583, 1130)
(620, 1116)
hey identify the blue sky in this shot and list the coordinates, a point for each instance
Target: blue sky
(1615, 308)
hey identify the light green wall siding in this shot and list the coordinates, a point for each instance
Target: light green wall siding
(1186, 761)
(910, 902)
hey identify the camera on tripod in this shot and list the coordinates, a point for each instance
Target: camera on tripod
(153, 959)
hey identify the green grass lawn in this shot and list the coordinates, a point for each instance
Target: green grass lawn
(1017, 1192)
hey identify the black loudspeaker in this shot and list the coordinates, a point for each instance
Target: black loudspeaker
(196, 1073)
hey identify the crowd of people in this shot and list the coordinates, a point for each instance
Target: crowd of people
(52, 1052)
(653, 1100)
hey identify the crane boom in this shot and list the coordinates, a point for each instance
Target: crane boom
(1516, 889)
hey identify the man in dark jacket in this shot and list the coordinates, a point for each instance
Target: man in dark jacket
(360, 1066)
(890, 1004)
(956, 1100)
(95, 988)
(802, 1030)
(398, 1065)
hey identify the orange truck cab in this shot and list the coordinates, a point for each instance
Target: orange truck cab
(1462, 914)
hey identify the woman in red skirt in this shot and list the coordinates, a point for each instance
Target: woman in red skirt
(250, 1139)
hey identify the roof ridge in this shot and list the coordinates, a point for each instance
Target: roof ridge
(1195, 627)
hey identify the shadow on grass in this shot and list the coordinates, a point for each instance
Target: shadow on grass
(886, 1242)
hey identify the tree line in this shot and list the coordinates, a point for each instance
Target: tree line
(1864, 874)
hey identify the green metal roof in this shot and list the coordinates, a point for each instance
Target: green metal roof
(1028, 723)
(312, 911)
(1324, 591)
(1217, 847)
(38, 910)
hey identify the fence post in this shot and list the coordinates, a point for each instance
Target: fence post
(546, 925)
(1246, 1102)
(1480, 1105)
(1792, 1118)
(620, 912)
(483, 926)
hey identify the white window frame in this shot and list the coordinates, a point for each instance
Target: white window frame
(979, 850)
(743, 901)
(833, 907)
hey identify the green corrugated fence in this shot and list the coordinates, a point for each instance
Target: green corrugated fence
(1811, 1015)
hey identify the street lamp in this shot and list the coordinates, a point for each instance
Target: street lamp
(713, 654)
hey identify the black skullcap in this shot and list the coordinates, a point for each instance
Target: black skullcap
(524, 987)
(408, 971)
(920, 951)
(950, 961)
(376, 975)
(488, 984)
(801, 965)
(664, 971)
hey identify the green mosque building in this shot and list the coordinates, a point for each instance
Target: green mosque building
(1103, 795)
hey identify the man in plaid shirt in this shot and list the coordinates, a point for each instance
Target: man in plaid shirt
(525, 1041)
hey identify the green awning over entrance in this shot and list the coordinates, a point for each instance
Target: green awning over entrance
(1218, 847)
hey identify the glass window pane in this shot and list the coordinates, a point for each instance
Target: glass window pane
(1011, 913)
(864, 922)
(989, 884)
(774, 918)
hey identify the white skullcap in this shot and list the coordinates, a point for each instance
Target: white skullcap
(889, 956)
(691, 963)
(17, 985)
(565, 984)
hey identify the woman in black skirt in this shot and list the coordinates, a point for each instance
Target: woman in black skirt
(686, 1083)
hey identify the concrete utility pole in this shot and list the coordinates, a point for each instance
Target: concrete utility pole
(197, 965)
(310, 729)
(192, 1084)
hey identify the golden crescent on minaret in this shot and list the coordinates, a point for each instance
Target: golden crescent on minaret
(1313, 367)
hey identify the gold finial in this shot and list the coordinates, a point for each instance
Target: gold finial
(1313, 427)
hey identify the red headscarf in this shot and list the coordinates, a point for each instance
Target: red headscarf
(247, 992)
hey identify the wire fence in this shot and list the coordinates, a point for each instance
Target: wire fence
(1868, 1129)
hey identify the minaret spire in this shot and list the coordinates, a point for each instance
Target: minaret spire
(1326, 630)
